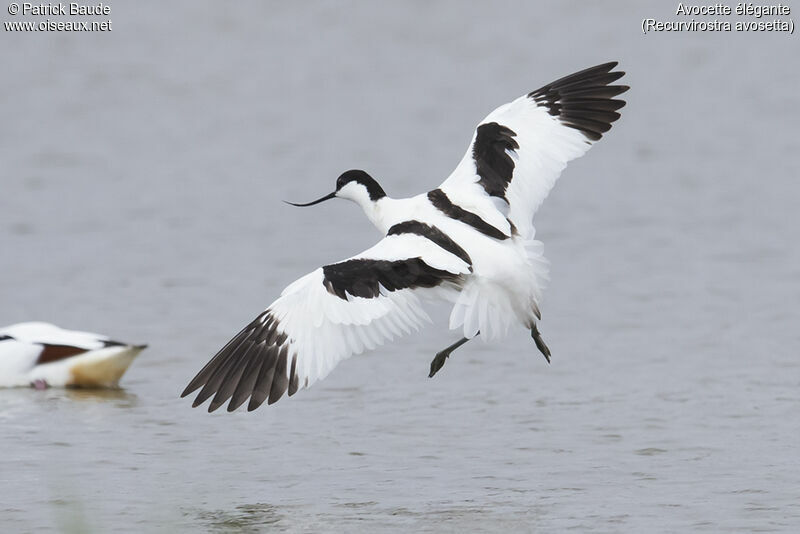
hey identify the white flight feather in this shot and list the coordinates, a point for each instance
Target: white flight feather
(545, 147)
(323, 328)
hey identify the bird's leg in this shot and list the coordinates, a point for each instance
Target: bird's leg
(537, 338)
(39, 384)
(441, 356)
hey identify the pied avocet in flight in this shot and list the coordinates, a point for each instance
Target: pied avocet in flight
(469, 241)
(42, 355)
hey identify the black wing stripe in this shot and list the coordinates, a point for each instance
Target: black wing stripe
(494, 165)
(441, 202)
(433, 234)
(364, 277)
(578, 98)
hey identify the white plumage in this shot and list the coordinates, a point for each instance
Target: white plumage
(41, 354)
(548, 147)
(470, 242)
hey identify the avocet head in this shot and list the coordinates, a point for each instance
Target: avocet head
(355, 185)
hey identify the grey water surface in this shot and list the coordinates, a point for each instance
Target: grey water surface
(141, 178)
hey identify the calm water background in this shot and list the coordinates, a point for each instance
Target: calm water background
(142, 172)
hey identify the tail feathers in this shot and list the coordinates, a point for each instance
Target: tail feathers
(482, 307)
(462, 313)
(539, 273)
(491, 306)
(540, 267)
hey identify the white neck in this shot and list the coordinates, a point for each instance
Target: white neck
(376, 211)
(379, 212)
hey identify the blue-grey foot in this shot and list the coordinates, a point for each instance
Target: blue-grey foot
(537, 338)
(438, 360)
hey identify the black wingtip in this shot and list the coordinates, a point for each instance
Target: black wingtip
(585, 99)
(255, 364)
(255, 402)
(213, 405)
(190, 388)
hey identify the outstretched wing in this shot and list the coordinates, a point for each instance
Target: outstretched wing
(519, 150)
(330, 314)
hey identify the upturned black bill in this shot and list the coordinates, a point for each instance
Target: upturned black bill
(323, 199)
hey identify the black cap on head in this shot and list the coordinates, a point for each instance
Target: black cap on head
(373, 189)
(356, 175)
